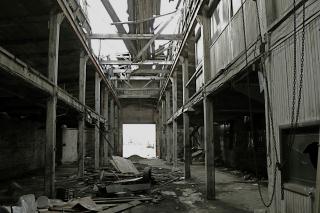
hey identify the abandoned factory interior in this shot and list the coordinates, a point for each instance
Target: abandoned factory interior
(159, 106)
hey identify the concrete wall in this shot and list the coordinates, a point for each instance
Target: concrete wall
(138, 114)
(22, 146)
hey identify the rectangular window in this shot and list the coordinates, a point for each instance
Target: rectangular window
(220, 19)
(300, 161)
(199, 50)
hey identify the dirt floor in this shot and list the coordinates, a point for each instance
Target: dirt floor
(233, 194)
(171, 193)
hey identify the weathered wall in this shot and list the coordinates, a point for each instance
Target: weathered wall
(22, 146)
(279, 69)
(138, 113)
(70, 145)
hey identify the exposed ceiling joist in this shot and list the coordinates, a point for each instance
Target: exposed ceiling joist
(130, 46)
(147, 62)
(141, 71)
(139, 78)
(135, 36)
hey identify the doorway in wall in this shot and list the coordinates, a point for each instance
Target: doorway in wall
(139, 139)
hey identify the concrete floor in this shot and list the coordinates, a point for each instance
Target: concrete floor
(233, 195)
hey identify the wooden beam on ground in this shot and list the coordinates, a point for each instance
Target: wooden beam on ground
(119, 36)
(186, 133)
(97, 98)
(81, 122)
(53, 55)
(174, 122)
(113, 15)
(147, 62)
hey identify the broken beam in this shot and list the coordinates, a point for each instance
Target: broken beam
(139, 78)
(148, 62)
(142, 71)
(135, 36)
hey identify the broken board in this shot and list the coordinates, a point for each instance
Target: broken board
(124, 165)
(115, 188)
(122, 207)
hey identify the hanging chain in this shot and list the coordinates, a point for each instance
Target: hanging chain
(295, 118)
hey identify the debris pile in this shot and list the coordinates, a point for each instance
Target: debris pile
(115, 188)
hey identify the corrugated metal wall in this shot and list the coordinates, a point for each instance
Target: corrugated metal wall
(279, 67)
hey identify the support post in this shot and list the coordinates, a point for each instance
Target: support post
(120, 132)
(111, 121)
(174, 121)
(168, 128)
(53, 55)
(186, 134)
(317, 194)
(81, 122)
(208, 112)
(105, 114)
(116, 132)
(97, 97)
(163, 128)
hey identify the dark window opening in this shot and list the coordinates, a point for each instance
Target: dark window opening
(300, 161)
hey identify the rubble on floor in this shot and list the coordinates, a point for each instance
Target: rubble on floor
(114, 188)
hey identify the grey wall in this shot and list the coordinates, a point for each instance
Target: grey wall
(22, 146)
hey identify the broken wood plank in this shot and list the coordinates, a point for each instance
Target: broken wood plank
(124, 165)
(114, 188)
(122, 207)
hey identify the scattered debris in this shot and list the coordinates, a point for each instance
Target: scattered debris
(128, 188)
(122, 207)
(169, 193)
(123, 165)
(190, 196)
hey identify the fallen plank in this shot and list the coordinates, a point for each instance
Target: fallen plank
(197, 153)
(129, 180)
(122, 207)
(114, 188)
(123, 200)
(123, 165)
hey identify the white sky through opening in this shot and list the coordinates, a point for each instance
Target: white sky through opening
(100, 22)
(139, 139)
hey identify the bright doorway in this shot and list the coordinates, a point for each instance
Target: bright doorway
(139, 139)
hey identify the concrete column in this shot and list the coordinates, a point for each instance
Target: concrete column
(168, 128)
(81, 122)
(105, 146)
(97, 99)
(208, 112)
(186, 134)
(111, 122)
(174, 122)
(53, 55)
